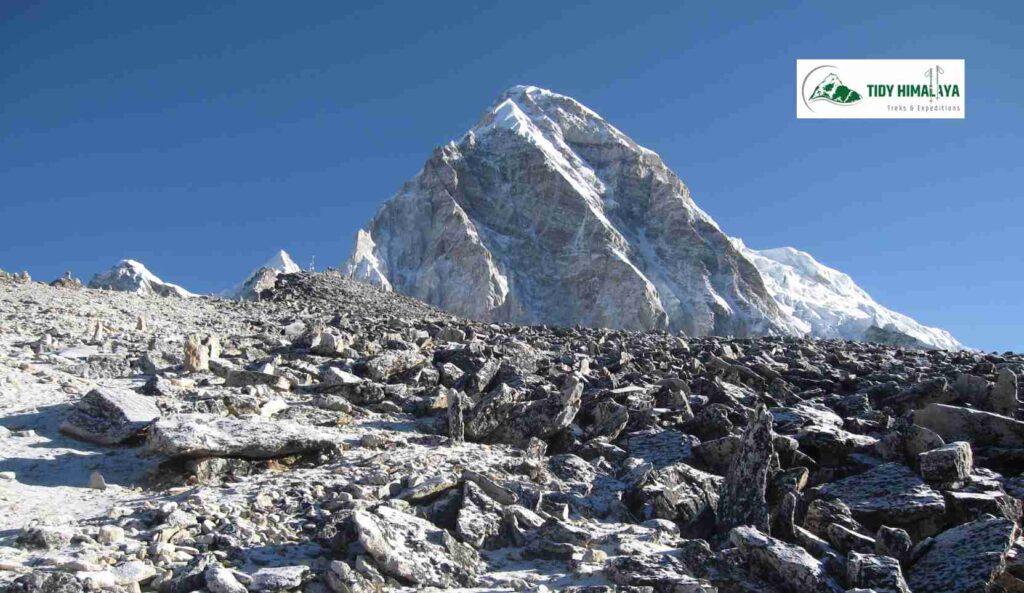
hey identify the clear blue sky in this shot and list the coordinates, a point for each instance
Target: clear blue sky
(201, 140)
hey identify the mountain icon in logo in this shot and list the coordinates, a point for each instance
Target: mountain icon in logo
(833, 90)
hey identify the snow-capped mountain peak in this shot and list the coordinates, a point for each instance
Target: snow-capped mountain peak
(543, 212)
(264, 276)
(282, 262)
(130, 275)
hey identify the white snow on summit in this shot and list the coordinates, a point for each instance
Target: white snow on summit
(131, 276)
(280, 263)
(829, 303)
(543, 212)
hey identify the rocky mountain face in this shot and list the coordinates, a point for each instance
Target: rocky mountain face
(546, 213)
(334, 437)
(131, 276)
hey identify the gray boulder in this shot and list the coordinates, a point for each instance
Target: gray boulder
(880, 573)
(965, 558)
(541, 418)
(206, 435)
(110, 416)
(956, 423)
(787, 565)
(1003, 398)
(413, 549)
(890, 494)
(949, 463)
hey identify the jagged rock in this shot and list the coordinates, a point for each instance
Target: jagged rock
(192, 576)
(968, 506)
(610, 418)
(329, 344)
(205, 435)
(342, 579)
(890, 494)
(893, 541)
(949, 463)
(222, 580)
(847, 540)
(786, 565)
(393, 362)
(456, 422)
(278, 578)
(45, 537)
(46, 582)
(541, 418)
(683, 494)
(414, 550)
(965, 558)
(822, 513)
(110, 416)
(662, 572)
(743, 492)
(880, 573)
(956, 423)
(493, 409)
(197, 356)
(241, 378)
(479, 523)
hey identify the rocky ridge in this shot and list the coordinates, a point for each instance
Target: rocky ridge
(333, 437)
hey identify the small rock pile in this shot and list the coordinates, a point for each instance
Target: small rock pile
(333, 438)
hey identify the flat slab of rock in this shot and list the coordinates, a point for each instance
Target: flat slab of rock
(661, 448)
(964, 558)
(207, 435)
(890, 494)
(110, 416)
(956, 423)
(414, 550)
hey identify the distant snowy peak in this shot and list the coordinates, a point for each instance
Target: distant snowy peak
(282, 262)
(131, 276)
(264, 276)
(831, 305)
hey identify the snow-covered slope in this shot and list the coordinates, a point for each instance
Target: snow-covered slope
(546, 213)
(829, 303)
(131, 276)
(264, 276)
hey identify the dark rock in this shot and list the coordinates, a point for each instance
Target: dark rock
(743, 492)
(965, 558)
(110, 416)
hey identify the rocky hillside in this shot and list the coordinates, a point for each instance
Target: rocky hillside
(546, 213)
(333, 437)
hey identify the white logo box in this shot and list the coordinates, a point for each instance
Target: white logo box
(881, 89)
